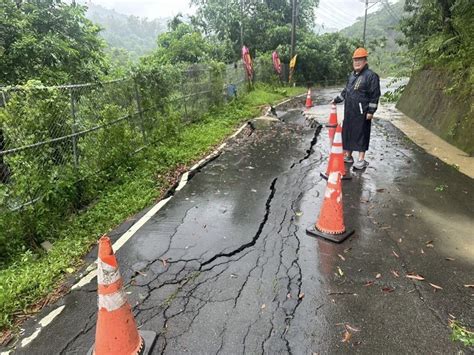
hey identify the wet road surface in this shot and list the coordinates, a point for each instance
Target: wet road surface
(226, 266)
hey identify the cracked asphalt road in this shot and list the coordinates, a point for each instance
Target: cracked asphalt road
(226, 266)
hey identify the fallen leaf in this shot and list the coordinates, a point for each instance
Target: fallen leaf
(400, 240)
(449, 259)
(380, 190)
(342, 258)
(263, 306)
(429, 245)
(369, 283)
(469, 286)
(233, 276)
(429, 242)
(301, 295)
(347, 250)
(299, 214)
(395, 254)
(415, 277)
(396, 274)
(164, 262)
(348, 326)
(347, 336)
(340, 271)
(388, 289)
(408, 214)
(435, 286)
(422, 251)
(378, 276)
(70, 270)
(288, 296)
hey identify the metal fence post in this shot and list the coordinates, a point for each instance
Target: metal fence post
(73, 129)
(140, 112)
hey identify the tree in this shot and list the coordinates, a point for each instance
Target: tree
(48, 40)
(258, 20)
(441, 32)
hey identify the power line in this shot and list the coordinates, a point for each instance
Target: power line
(335, 19)
(340, 12)
(390, 10)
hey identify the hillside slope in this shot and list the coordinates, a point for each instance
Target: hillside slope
(134, 34)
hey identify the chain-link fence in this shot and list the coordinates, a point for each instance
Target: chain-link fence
(55, 136)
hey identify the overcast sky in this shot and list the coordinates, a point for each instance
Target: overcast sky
(331, 13)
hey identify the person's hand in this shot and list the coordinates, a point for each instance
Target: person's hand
(370, 116)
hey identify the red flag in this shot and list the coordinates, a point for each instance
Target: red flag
(247, 62)
(276, 62)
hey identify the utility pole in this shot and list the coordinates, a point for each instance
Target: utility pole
(367, 7)
(293, 28)
(365, 21)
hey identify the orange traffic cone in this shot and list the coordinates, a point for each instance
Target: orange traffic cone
(309, 102)
(332, 123)
(116, 330)
(330, 224)
(336, 157)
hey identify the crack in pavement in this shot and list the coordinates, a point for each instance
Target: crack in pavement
(256, 236)
(310, 150)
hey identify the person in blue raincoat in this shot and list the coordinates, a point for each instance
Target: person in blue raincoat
(361, 95)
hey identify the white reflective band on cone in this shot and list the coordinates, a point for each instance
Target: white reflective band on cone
(336, 149)
(106, 274)
(338, 137)
(113, 301)
(332, 177)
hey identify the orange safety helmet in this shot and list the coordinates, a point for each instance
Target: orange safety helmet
(360, 53)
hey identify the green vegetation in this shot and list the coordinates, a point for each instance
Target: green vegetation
(50, 41)
(439, 34)
(461, 333)
(184, 44)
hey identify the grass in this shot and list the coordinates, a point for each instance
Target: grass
(32, 276)
(461, 333)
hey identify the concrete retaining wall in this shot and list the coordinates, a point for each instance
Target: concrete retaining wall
(427, 100)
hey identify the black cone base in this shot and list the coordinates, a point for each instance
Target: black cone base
(148, 337)
(336, 238)
(345, 177)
